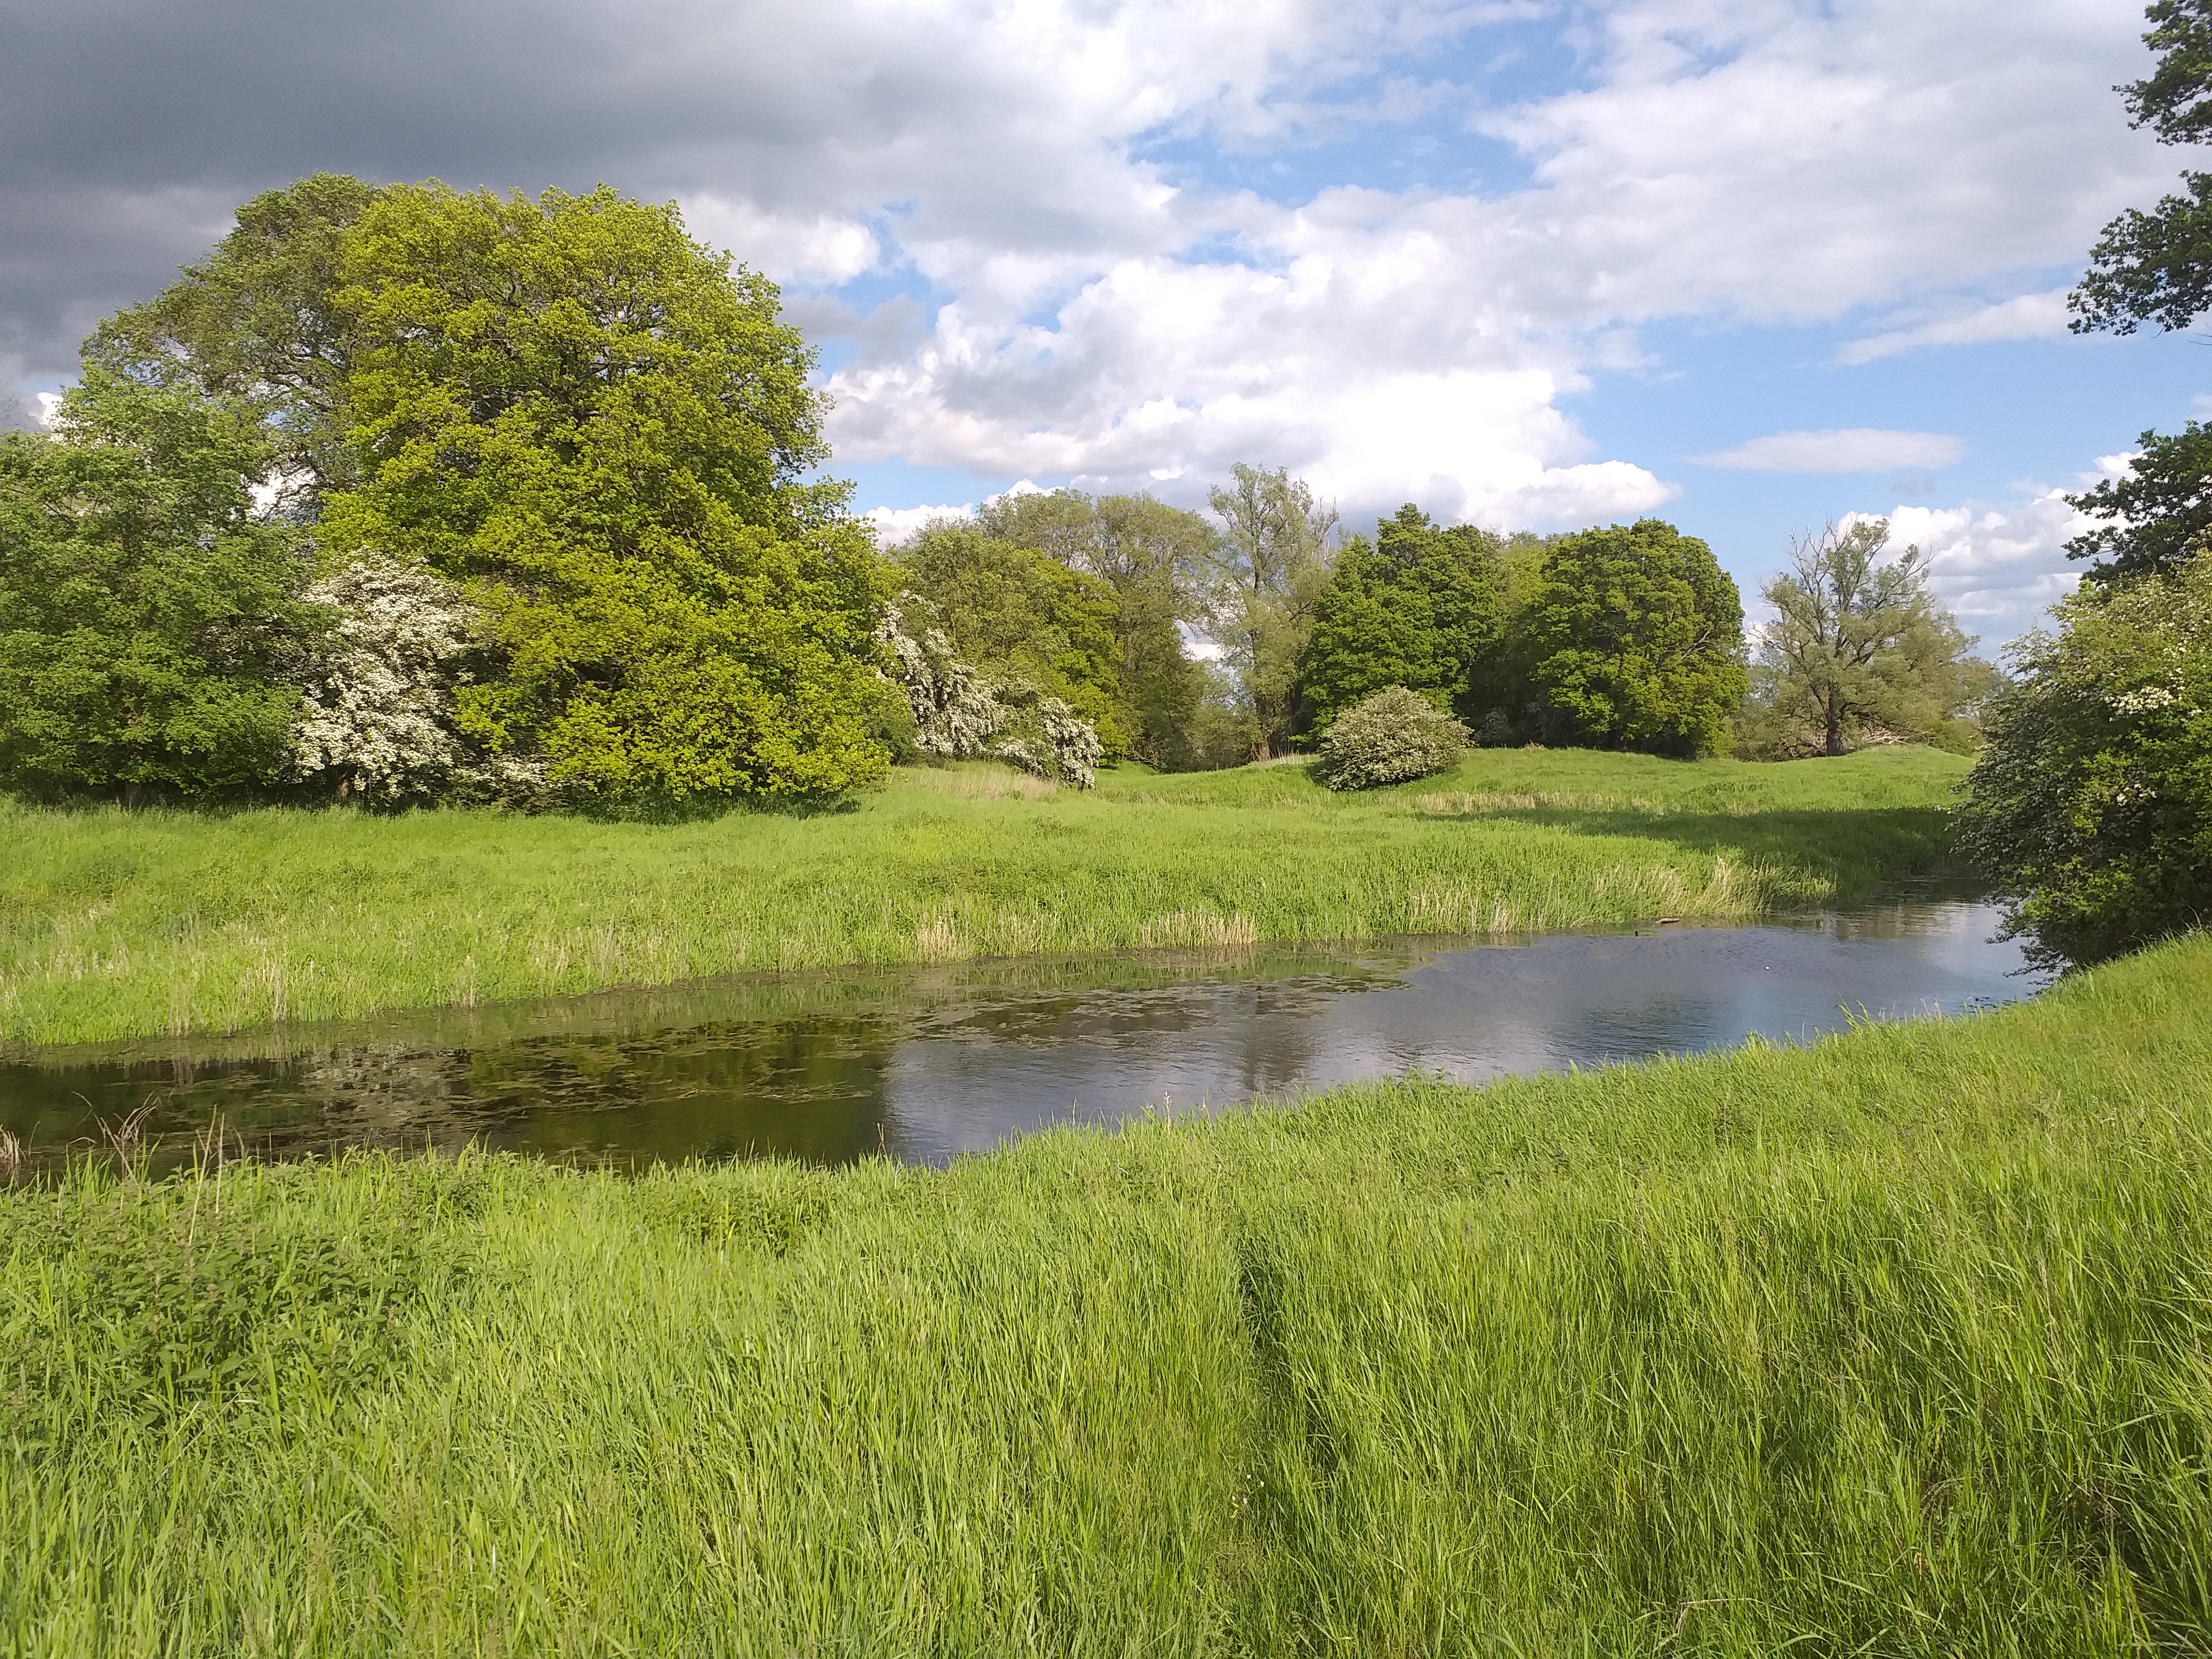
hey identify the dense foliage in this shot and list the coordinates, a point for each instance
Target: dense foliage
(1021, 618)
(1637, 635)
(150, 621)
(1422, 607)
(2092, 805)
(1153, 557)
(592, 431)
(1389, 736)
(599, 429)
(1859, 651)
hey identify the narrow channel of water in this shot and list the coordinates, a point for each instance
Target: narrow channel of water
(924, 1064)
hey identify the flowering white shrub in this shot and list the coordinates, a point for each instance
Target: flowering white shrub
(377, 701)
(1387, 738)
(962, 715)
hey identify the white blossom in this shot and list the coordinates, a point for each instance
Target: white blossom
(377, 715)
(961, 715)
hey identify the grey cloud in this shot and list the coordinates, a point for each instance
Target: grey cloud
(129, 129)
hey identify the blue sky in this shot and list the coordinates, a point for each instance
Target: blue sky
(1531, 264)
(1944, 217)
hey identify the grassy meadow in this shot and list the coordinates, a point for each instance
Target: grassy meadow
(1893, 1344)
(116, 924)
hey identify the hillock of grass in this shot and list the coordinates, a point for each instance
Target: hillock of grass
(1894, 1344)
(116, 924)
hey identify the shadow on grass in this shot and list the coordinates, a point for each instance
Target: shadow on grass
(1862, 851)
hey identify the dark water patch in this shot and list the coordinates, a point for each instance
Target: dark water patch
(924, 1064)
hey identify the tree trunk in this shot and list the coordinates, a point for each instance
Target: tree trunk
(1836, 735)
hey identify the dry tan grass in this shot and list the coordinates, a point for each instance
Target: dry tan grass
(979, 780)
(938, 940)
(1183, 928)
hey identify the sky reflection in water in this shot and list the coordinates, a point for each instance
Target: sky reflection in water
(926, 1064)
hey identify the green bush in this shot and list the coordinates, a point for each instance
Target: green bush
(1387, 738)
(2091, 806)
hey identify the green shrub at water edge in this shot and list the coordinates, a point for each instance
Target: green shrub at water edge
(2091, 806)
(1389, 736)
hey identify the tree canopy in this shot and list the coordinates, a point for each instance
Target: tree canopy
(258, 321)
(1638, 637)
(2156, 267)
(600, 431)
(2156, 515)
(149, 618)
(1422, 607)
(1858, 642)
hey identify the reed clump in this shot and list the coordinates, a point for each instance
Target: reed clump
(1895, 1343)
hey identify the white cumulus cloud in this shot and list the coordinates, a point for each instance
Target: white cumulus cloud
(2026, 317)
(1844, 449)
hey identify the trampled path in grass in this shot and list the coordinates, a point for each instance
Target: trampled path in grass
(116, 924)
(1896, 1344)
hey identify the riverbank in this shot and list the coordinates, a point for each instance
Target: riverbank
(1894, 1343)
(117, 924)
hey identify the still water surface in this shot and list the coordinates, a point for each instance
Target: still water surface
(924, 1064)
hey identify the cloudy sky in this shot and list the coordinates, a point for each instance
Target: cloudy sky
(1745, 264)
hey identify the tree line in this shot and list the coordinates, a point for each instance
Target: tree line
(407, 493)
(1622, 637)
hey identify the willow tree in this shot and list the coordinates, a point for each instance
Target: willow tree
(1857, 640)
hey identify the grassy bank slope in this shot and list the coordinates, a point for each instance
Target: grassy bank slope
(116, 924)
(1894, 1345)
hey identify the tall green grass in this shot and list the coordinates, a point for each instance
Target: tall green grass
(116, 924)
(1896, 1344)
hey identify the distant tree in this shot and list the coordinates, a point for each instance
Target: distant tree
(2156, 267)
(1270, 567)
(1461, 569)
(1021, 616)
(257, 322)
(2091, 806)
(1421, 607)
(1372, 628)
(1155, 557)
(2158, 513)
(602, 431)
(1858, 641)
(1636, 634)
(150, 627)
